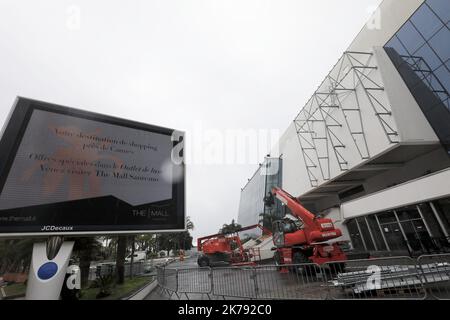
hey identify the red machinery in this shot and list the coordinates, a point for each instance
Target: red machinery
(225, 248)
(301, 238)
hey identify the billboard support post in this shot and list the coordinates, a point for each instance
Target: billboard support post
(48, 268)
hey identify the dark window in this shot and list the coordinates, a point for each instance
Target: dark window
(398, 46)
(272, 170)
(365, 233)
(431, 220)
(410, 37)
(440, 43)
(394, 237)
(444, 76)
(441, 8)
(408, 213)
(387, 217)
(426, 21)
(376, 232)
(355, 236)
(417, 235)
(443, 208)
(430, 57)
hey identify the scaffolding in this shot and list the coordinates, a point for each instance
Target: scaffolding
(334, 111)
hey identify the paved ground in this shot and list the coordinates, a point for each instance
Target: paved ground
(157, 294)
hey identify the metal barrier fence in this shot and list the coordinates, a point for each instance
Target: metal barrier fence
(138, 268)
(195, 281)
(233, 282)
(303, 281)
(436, 272)
(427, 277)
(385, 278)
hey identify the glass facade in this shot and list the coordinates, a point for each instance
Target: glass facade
(355, 235)
(251, 206)
(416, 229)
(273, 179)
(364, 229)
(420, 50)
(378, 237)
(442, 208)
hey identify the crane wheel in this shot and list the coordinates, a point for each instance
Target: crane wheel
(203, 261)
(277, 259)
(303, 264)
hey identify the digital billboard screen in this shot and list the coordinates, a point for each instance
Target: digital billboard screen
(68, 171)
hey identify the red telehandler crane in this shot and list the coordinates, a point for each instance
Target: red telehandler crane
(302, 237)
(226, 248)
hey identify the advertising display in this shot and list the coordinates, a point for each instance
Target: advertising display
(67, 171)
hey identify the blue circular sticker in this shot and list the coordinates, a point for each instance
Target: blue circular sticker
(47, 270)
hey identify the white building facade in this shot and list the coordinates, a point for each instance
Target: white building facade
(371, 147)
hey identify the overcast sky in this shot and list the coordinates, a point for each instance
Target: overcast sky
(191, 65)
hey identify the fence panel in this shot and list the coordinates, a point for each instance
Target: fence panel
(195, 280)
(167, 278)
(139, 268)
(136, 269)
(436, 273)
(302, 281)
(234, 282)
(380, 278)
(105, 269)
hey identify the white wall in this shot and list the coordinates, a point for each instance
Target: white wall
(392, 15)
(295, 175)
(428, 188)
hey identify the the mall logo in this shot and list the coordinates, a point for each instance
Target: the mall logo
(57, 228)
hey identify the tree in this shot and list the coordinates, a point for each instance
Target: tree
(176, 240)
(165, 242)
(145, 242)
(183, 241)
(120, 259)
(111, 243)
(230, 228)
(15, 255)
(86, 249)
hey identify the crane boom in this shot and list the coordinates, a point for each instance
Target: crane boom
(226, 247)
(294, 205)
(316, 229)
(305, 242)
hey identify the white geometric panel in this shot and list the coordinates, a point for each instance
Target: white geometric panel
(334, 112)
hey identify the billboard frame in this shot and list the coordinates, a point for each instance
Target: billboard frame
(14, 129)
